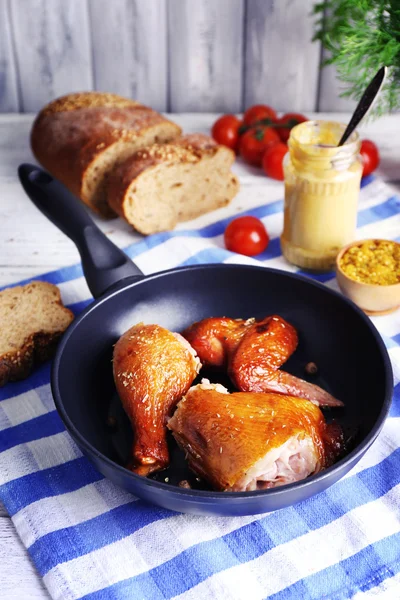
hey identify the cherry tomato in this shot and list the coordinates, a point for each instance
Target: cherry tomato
(287, 122)
(272, 161)
(258, 112)
(246, 235)
(226, 131)
(370, 157)
(254, 142)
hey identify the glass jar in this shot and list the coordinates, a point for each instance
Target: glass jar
(322, 184)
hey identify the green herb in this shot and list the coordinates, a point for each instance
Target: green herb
(362, 36)
(259, 134)
(262, 122)
(267, 123)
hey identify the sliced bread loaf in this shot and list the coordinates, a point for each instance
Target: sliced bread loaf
(32, 320)
(78, 138)
(163, 184)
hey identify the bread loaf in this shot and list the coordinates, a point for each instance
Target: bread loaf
(163, 184)
(78, 138)
(32, 320)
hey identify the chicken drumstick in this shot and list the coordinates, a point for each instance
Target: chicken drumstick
(153, 369)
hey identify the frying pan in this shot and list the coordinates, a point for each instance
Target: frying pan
(352, 359)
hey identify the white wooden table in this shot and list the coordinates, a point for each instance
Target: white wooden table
(30, 245)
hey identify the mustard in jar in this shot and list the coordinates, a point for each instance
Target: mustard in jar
(322, 184)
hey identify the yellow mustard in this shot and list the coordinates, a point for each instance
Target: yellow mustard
(375, 262)
(322, 184)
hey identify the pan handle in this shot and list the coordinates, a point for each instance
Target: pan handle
(104, 264)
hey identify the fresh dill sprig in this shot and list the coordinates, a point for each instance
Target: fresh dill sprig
(361, 36)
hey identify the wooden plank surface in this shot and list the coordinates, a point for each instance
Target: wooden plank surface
(205, 40)
(129, 47)
(3, 512)
(281, 64)
(8, 74)
(330, 88)
(180, 55)
(52, 47)
(18, 577)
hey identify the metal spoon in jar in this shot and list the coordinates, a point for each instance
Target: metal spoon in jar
(366, 102)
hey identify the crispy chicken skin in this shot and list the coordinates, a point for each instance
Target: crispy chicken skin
(252, 352)
(153, 368)
(216, 339)
(249, 441)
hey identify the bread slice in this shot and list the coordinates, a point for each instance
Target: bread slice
(32, 320)
(163, 184)
(79, 138)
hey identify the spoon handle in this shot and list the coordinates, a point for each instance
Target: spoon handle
(365, 103)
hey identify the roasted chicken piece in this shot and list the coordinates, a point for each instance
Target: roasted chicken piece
(250, 441)
(217, 338)
(252, 352)
(153, 368)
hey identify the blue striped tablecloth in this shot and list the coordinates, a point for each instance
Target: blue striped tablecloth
(90, 539)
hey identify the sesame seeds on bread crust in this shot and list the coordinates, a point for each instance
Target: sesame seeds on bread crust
(79, 138)
(161, 185)
(81, 100)
(86, 141)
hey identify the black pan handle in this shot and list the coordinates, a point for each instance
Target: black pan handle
(104, 264)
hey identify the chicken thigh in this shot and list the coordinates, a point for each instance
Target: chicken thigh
(250, 441)
(153, 368)
(252, 352)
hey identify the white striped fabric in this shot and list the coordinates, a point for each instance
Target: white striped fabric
(89, 539)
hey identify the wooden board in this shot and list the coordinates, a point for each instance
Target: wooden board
(175, 55)
(330, 89)
(8, 78)
(281, 66)
(129, 47)
(330, 86)
(52, 47)
(205, 40)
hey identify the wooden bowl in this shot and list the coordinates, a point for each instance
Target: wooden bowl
(373, 299)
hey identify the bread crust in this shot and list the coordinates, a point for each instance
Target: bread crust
(72, 132)
(37, 347)
(188, 149)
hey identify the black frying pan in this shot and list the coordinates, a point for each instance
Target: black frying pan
(333, 332)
